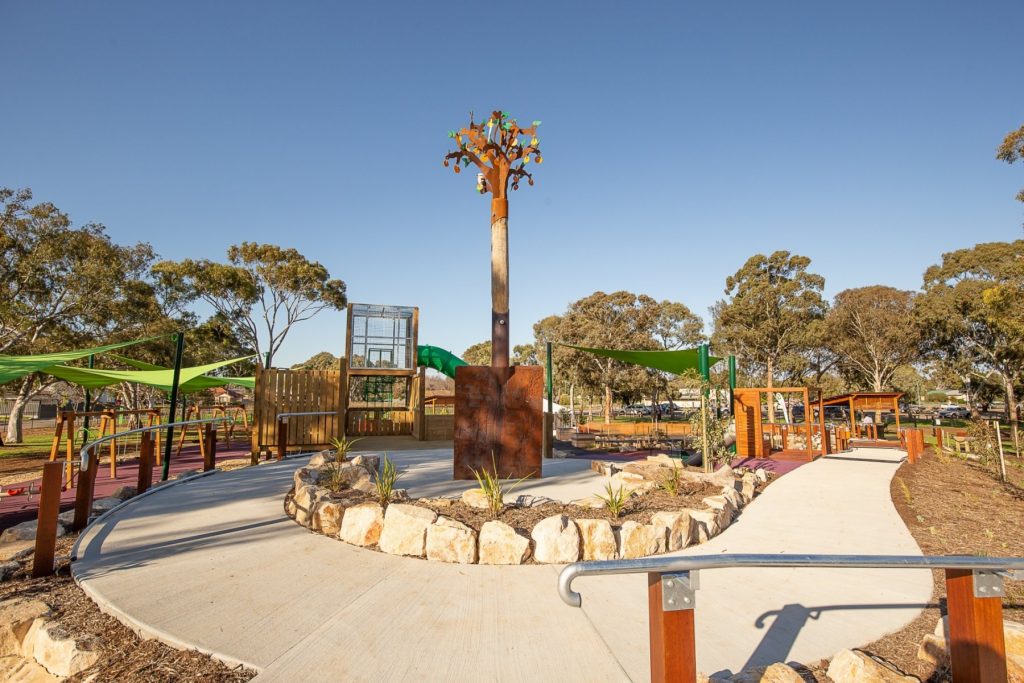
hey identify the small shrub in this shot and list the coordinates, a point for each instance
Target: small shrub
(615, 501)
(672, 484)
(494, 490)
(343, 447)
(384, 480)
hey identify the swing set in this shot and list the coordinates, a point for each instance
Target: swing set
(109, 419)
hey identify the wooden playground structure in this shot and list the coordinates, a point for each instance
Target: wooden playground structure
(760, 438)
(109, 419)
(871, 434)
(377, 390)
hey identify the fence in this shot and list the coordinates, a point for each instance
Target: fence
(297, 391)
(974, 592)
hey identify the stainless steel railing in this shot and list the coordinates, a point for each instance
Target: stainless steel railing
(84, 452)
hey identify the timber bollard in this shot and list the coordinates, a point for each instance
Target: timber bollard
(977, 647)
(145, 462)
(672, 634)
(210, 452)
(46, 524)
(282, 437)
(86, 486)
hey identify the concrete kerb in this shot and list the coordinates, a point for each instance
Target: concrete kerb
(140, 628)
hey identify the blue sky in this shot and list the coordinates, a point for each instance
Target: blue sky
(679, 139)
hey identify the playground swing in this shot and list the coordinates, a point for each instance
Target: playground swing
(66, 424)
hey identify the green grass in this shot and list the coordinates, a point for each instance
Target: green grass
(35, 446)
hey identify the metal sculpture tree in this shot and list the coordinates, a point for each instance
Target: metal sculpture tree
(499, 149)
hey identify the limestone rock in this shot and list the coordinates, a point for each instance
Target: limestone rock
(637, 540)
(16, 618)
(125, 492)
(528, 501)
(501, 544)
(724, 511)
(451, 541)
(105, 504)
(748, 487)
(362, 524)
(18, 550)
(57, 651)
(306, 498)
(399, 495)
(556, 540)
(475, 498)
(707, 522)
(7, 569)
(321, 459)
(761, 475)
(26, 531)
(851, 666)
(327, 517)
(15, 669)
(680, 528)
(405, 529)
(305, 476)
(590, 502)
(733, 497)
(370, 463)
(598, 539)
(776, 673)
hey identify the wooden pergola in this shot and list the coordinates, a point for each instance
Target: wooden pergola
(867, 401)
(755, 436)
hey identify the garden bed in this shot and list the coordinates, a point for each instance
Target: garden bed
(665, 507)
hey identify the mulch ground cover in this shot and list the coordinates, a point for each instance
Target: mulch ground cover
(124, 657)
(954, 506)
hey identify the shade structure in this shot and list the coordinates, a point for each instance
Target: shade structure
(197, 384)
(191, 379)
(677, 362)
(15, 367)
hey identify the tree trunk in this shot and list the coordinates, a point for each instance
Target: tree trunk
(1011, 405)
(15, 433)
(607, 404)
(499, 283)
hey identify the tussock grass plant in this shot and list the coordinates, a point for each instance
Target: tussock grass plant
(905, 490)
(384, 480)
(494, 490)
(342, 447)
(672, 484)
(614, 500)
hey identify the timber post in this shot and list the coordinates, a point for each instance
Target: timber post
(46, 524)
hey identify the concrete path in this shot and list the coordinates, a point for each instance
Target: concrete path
(214, 564)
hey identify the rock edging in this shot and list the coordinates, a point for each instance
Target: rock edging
(412, 530)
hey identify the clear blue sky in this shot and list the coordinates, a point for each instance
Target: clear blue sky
(679, 139)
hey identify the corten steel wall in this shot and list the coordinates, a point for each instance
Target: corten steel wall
(498, 415)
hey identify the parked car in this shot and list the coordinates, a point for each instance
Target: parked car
(954, 412)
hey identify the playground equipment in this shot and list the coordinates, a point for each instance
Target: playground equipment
(234, 415)
(868, 402)
(760, 438)
(378, 390)
(109, 419)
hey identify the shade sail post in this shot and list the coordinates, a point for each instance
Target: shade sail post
(179, 348)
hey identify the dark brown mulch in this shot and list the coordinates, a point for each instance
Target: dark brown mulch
(638, 508)
(954, 507)
(124, 657)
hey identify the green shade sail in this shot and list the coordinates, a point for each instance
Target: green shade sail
(677, 362)
(15, 367)
(194, 385)
(191, 379)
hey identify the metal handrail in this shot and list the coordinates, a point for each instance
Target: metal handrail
(322, 412)
(84, 453)
(664, 564)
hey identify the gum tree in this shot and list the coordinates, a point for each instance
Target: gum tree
(501, 149)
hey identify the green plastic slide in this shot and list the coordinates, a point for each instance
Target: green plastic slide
(443, 361)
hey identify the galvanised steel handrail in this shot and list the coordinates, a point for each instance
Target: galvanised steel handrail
(974, 592)
(84, 452)
(667, 565)
(321, 412)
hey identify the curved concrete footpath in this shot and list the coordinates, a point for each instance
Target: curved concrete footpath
(214, 564)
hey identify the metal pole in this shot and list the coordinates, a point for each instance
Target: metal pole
(551, 382)
(732, 392)
(549, 414)
(88, 399)
(178, 349)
